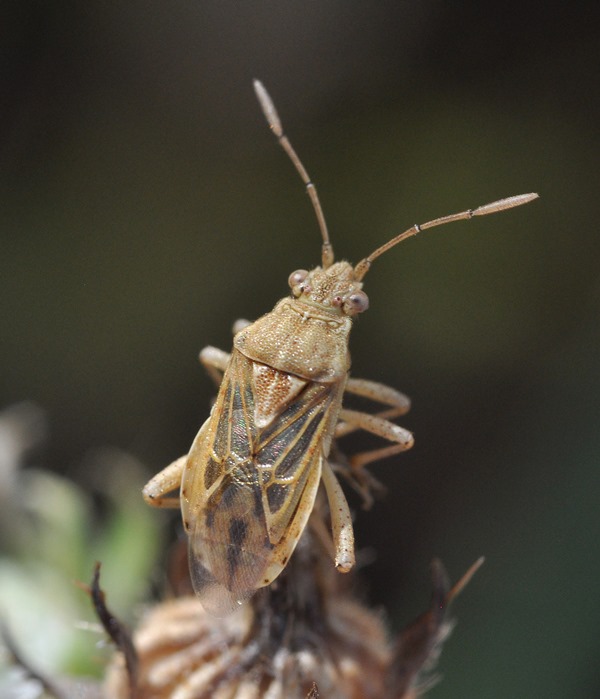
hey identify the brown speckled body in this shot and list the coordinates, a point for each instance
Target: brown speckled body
(252, 474)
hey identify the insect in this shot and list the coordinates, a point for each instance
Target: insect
(249, 482)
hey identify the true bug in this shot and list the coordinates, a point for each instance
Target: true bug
(249, 482)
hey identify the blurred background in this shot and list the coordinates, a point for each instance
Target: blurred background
(144, 206)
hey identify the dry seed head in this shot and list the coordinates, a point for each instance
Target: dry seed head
(186, 654)
(305, 628)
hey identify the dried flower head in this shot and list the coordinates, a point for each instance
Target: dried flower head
(305, 635)
(304, 629)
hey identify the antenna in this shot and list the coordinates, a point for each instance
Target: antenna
(274, 121)
(501, 205)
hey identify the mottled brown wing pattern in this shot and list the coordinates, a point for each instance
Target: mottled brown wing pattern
(247, 491)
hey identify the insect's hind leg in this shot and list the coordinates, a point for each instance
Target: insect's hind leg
(168, 480)
(341, 520)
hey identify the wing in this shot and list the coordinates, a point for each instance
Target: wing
(251, 479)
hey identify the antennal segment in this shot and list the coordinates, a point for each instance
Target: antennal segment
(274, 121)
(501, 205)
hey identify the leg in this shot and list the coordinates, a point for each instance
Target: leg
(168, 480)
(240, 324)
(354, 467)
(382, 428)
(377, 392)
(214, 361)
(341, 521)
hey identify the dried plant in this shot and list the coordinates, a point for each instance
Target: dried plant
(306, 635)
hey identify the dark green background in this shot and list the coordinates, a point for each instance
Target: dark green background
(144, 206)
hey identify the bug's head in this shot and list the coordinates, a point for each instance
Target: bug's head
(334, 289)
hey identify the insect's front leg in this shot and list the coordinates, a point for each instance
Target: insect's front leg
(378, 392)
(240, 324)
(214, 361)
(168, 480)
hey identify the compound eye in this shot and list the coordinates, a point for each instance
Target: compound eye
(357, 302)
(296, 279)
